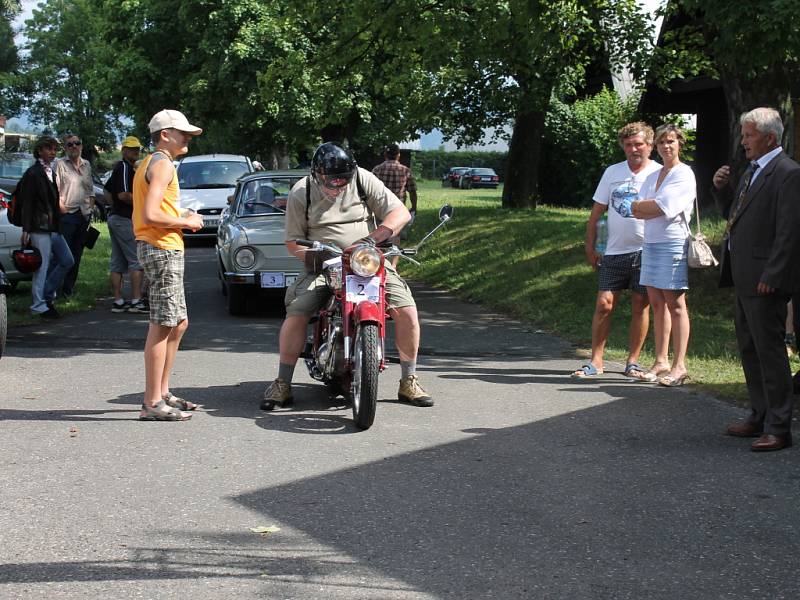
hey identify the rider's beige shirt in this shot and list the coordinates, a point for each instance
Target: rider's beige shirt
(340, 221)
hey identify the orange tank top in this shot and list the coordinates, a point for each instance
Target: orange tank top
(164, 238)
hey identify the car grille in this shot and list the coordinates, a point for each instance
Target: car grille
(210, 211)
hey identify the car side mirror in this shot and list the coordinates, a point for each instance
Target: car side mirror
(446, 212)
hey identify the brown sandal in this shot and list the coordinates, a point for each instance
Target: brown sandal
(179, 403)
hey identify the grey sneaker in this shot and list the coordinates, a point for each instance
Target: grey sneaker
(279, 392)
(411, 391)
(119, 307)
(138, 307)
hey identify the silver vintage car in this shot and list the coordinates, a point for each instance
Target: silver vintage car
(252, 258)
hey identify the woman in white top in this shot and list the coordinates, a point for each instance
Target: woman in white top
(665, 204)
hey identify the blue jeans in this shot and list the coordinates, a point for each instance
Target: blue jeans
(56, 262)
(73, 228)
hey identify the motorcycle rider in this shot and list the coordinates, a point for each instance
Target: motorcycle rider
(337, 204)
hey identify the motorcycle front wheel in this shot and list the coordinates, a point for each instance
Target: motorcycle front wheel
(366, 366)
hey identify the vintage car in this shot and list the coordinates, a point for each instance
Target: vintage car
(253, 261)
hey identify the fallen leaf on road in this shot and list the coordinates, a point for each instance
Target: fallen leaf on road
(262, 529)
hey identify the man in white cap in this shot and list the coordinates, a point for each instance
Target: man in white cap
(120, 226)
(158, 224)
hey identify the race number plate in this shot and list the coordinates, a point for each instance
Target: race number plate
(360, 289)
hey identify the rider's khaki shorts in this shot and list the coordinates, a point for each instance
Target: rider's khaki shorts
(309, 293)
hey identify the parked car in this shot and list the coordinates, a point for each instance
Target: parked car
(10, 236)
(452, 177)
(479, 178)
(252, 257)
(12, 167)
(206, 181)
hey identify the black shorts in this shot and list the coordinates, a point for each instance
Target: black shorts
(621, 272)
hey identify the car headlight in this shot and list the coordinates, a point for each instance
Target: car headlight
(244, 258)
(365, 261)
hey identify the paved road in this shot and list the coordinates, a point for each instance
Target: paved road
(519, 483)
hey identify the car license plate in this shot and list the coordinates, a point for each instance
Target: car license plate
(272, 279)
(360, 289)
(210, 222)
(486, 178)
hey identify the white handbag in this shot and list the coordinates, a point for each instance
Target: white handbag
(699, 255)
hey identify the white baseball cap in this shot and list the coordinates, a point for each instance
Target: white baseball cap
(172, 119)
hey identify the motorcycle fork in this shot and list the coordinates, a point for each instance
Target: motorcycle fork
(364, 312)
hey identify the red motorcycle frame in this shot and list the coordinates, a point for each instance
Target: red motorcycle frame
(346, 347)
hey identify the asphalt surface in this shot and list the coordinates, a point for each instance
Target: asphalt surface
(519, 483)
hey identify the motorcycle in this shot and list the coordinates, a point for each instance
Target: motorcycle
(345, 349)
(5, 288)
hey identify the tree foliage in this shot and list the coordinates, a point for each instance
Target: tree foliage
(9, 61)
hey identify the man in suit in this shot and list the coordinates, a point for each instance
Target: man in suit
(760, 256)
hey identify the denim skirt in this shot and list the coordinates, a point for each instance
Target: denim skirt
(665, 266)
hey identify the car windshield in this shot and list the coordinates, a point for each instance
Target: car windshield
(13, 166)
(210, 175)
(266, 196)
(483, 172)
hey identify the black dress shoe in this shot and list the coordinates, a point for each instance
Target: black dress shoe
(770, 443)
(744, 429)
(50, 313)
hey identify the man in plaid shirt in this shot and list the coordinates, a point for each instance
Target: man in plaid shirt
(399, 179)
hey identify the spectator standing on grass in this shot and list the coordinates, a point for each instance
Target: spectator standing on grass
(399, 179)
(38, 198)
(760, 254)
(158, 225)
(618, 268)
(667, 200)
(74, 179)
(120, 228)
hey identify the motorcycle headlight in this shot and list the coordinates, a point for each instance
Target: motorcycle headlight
(365, 261)
(244, 258)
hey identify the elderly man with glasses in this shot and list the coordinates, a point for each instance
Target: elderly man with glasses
(74, 179)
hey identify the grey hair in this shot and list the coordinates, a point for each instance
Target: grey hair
(766, 121)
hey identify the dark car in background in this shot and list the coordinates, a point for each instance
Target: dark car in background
(12, 166)
(479, 178)
(452, 177)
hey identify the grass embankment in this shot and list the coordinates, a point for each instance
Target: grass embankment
(92, 284)
(531, 264)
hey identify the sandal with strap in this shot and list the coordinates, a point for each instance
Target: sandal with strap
(634, 370)
(179, 403)
(587, 370)
(162, 412)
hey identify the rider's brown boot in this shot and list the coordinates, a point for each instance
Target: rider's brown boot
(411, 391)
(279, 392)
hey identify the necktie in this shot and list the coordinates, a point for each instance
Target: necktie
(742, 199)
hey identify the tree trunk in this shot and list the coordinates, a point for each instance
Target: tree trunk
(770, 90)
(521, 188)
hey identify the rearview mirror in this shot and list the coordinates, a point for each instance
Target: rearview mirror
(445, 212)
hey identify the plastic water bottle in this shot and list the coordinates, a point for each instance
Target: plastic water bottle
(601, 238)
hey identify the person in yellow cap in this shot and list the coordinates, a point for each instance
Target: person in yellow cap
(158, 223)
(120, 226)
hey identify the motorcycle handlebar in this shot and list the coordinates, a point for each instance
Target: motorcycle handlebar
(306, 243)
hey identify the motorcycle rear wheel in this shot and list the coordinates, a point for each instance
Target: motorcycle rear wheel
(366, 366)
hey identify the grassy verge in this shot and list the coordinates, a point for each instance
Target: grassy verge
(531, 264)
(92, 284)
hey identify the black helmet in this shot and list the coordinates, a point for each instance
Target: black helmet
(332, 166)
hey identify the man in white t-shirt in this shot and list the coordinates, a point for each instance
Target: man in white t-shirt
(619, 265)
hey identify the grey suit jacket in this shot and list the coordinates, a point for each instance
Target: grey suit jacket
(765, 236)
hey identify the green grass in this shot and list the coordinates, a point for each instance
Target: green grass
(531, 264)
(92, 284)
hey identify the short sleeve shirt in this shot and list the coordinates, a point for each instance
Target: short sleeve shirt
(397, 177)
(625, 235)
(75, 185)
(340, 221)
(675, 198)
(121, 180)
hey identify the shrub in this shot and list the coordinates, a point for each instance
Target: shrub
(432, 164)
